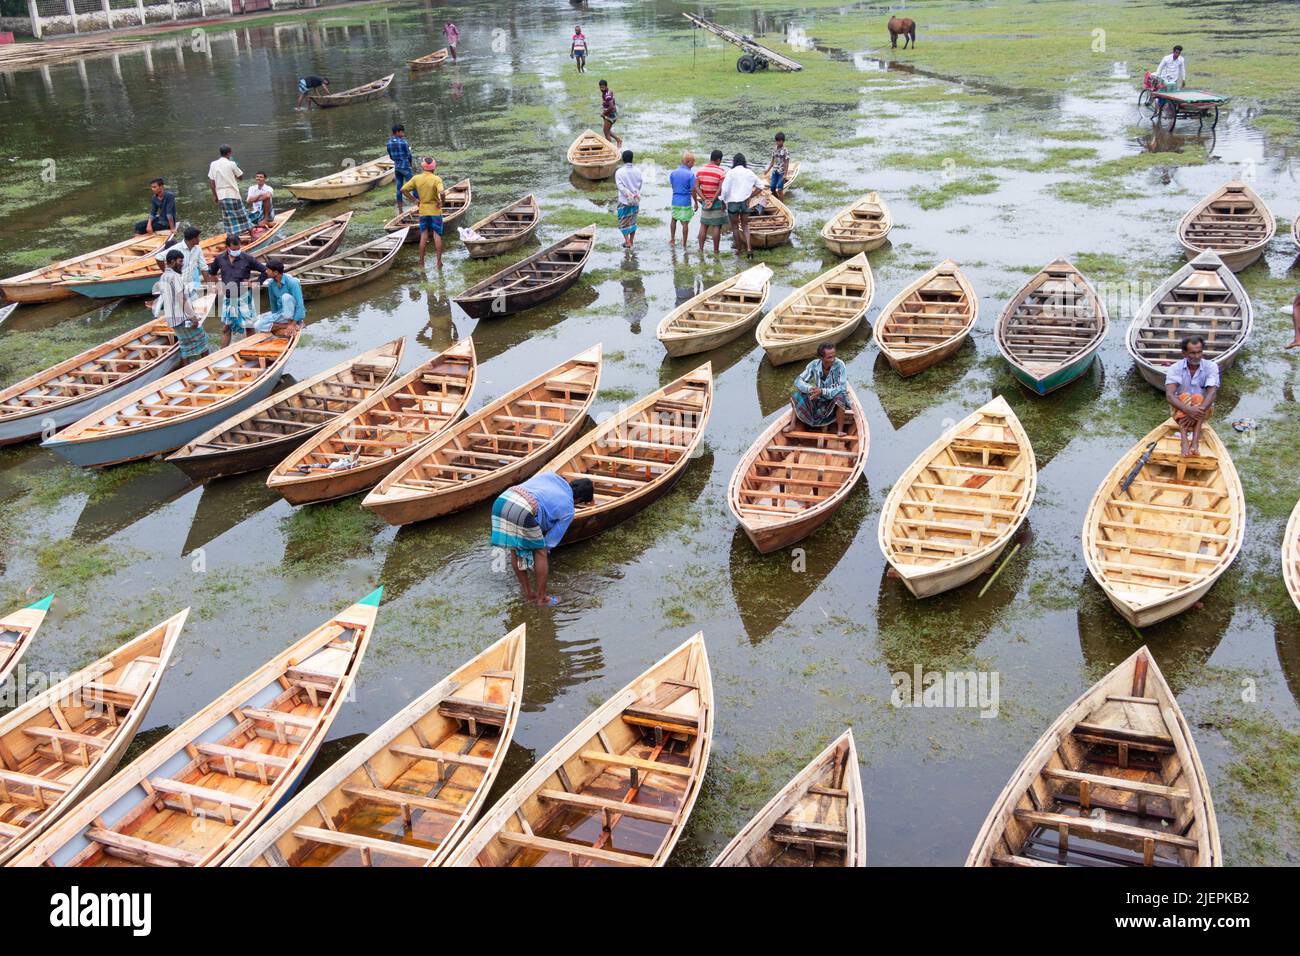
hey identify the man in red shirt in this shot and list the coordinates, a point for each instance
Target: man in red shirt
(708, 189)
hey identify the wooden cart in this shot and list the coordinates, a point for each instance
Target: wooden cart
(755, 55)
(1186, 103)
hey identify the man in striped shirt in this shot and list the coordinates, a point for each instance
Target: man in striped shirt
(708, 193)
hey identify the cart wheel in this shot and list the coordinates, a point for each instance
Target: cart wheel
(1144, 97)
(763, 64)
(746, 64)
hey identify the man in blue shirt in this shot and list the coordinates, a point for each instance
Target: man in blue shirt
(399, 150)
(288, 310)
(1191, 385)
(531, 519)
(682, 179)
(162, 210)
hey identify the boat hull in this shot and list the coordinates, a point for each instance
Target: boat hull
(806, 350)
(495, 247)
(678, 346)
(602, 171)
(343, 484)
(843, 248)
(908, 366)
(340, 190)
(323, 289)
(485, 308)
(1059, 377)
(36, 292)
(1236, 261)
(947, 578)
(240, 461)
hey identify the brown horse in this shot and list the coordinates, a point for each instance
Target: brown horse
(904, 27)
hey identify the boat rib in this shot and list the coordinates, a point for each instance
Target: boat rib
(455, 202)
(507, 228)
(1052, 327)
(351, 181)
(717, 315)
(356, 450)
(1157, 547)
(593, 157)
(1124, 750)
(1232, 221)
(500, 445)
(819, 818)
(862, 226)
(928, 321)
(529, 282)
(408, 793)
(16, 633)
(827, 309)
(619, 788)
(347, 270)
(790, 482)
(635, 457)
(957, 506)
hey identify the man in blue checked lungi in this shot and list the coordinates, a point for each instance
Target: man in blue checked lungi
(531, 519)
(820, 394)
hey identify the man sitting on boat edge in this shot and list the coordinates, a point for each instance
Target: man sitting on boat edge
(288, 310)
(820, 393)
(1191, 385)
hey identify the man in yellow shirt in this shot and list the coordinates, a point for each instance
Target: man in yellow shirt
(427, 188)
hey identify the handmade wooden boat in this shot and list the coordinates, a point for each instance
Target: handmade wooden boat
(176, 409)
(956, 508)
(592, 156)
(407, 794)
(618, 790)
(261, 436)
(356, 450)
(818, 819)
(507, 228)
(356, 266)
(16, 633)
(310, 245)
(1291, 556)
(789, 483)
(928, 321)
(429, 60)
(350, 181)
(529, 282)
(46, 284)
(770, 221)
(194, 797)
(634, 458)
(1051, 329)
(1232, 221)
(1202, 298)
(75, 387)
(358, 94)
(455, 201)
(1123, 749)
(717, 315)
(498, 446)
(139, 277)
(827, 309)
(859, 227)
(62, 744)
(791, 174)
(1157, 547)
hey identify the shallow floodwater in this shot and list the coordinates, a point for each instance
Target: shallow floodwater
(801, 644)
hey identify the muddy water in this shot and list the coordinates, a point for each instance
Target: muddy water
(800, 644)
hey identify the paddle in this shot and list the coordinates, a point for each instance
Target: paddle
(1146, 456)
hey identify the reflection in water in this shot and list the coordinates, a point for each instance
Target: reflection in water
(226, 503)
(554, 664)
(1286, 634)
(424, 550)
(493, 337)
(1051, 421)
(154, 486)
(767, 589)
(905, 398)
(635, 306)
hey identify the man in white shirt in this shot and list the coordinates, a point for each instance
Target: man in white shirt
(223, 180)
(261, 205)
(1172, 71)
(1191, 385)
(740, 186)
(629, 181)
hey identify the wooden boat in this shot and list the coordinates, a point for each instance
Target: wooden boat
(16, 633)
(455, 201)
(429, 60)
(1202, 298)
(1052, 327)
(358, 94)
(818, 819)
(789, 483)
(859, 227)
(407, 794)
(356, 266)
(770, 221)
(46, 284)
(139, 277)
(195, 796)
(350, 181)
(532, 281)
(956, 508)
(357, 449)
(75, 387)
(176, 409)
(310, 245)
(619, 788)
(262, 435)
(827, 309)
(791, 174)
(61, 744)
(717, 315)
(592, 156)
(635, 457)
(1124, 749)
(507, 228)
(1291, 556)
(498, 446)
(1232, 221)
(928, 321)
(1157, 547)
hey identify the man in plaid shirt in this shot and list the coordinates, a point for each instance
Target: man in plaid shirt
(400, 152)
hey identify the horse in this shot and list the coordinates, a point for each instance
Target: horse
(904, 27)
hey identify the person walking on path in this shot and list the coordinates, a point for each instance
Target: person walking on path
(427, 187)
(682, 179)
(629, 181)
(609, 114)
(399, 151)
(223, 179)
(708, 194)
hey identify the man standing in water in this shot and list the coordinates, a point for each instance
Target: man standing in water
(399, 151)
(306, 85)
(428, 189)
(608, 114)
(740, 186)
(1191, 385)
(708, 193)
(777, 167)
(451, 33)
(578, 48)
(629, 181)
(531, 519)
